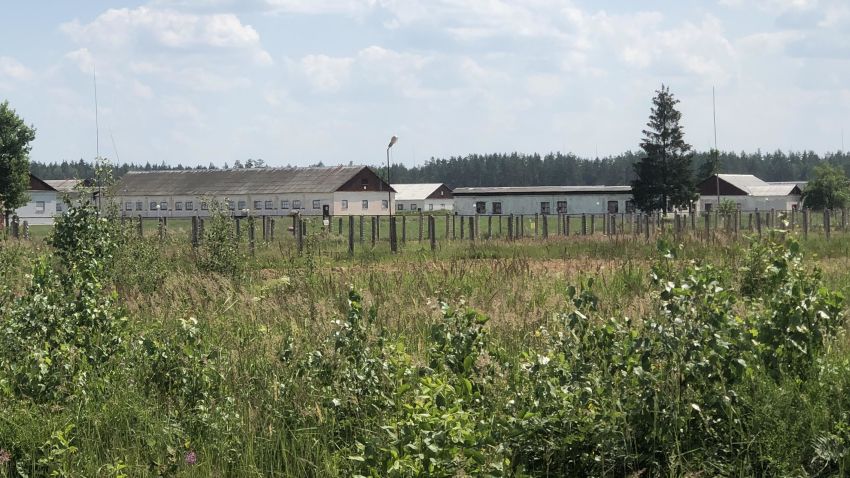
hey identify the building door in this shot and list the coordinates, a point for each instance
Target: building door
(613, 207)
(326, 211)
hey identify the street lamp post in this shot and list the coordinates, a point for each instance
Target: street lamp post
(393, 141)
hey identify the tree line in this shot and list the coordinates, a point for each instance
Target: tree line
(518, 169)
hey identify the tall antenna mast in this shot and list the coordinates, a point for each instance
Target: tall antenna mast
(96, 119)
(716, 158)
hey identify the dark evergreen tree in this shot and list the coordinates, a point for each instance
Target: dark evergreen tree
(664, 177)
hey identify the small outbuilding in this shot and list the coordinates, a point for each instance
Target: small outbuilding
(543, 200)
(423, 197)
(331, 191)
(43, 203)
(749, 193)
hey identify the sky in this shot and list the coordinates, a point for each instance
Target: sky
(295, 82)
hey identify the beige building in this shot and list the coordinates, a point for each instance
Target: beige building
(423, 197)
(543, 200)
(332, 191)
(749, 193)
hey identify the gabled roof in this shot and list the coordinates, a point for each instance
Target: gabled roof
(38, 184)
(64, 185)
(224, 182)
(753, 186)
(540, 190)
(415, 192)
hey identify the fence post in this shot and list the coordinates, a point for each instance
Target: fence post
(454, 228)
(583, 224)
(271, 229)
(447, 226)
(251, 232)
(194, 232)
(339, 227)
(299, 235)
(462, 228)
(351, 235)
(374, 231)
(592, 224)
(161, 230)
(827, 219)
(489, 226)
(613, 225)
(566, 225)
(536, 224)
(844, 219)
(403, 229)
(432, 224)
(511, 227)
(758, 222)
(472, 227)
(646, 221)
(26, 230)
(545, 229)
(805, 223)
(141, 228)
(393, 237)
(238, 229)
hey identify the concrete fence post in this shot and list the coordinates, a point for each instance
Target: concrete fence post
(351, 235)
(432, 223)
(393, 237)
(141, 228)
(827, 219)
(251, 232)
(403, 229)
(511, 227)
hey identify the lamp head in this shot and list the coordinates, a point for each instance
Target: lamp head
(393, 141)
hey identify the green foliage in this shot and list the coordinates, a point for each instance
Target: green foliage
(828, 189)
(219, 251)
(15, 139)
(664, 178)
(64, 330)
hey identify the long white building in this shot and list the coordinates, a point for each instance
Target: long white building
(543, 200)
(423, 197)
(333, 191)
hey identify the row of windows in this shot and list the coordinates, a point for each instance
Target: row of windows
(400, 206)
(546, 207)
(258, 205)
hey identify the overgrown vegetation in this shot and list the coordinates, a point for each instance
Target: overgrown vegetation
(121, 356)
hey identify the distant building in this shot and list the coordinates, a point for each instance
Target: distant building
(43, 204)
(749, 193)
(423, 197)
(543, 200)
(335, 191)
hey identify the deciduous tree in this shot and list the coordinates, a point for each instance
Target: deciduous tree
(829, 189)
(15, 139)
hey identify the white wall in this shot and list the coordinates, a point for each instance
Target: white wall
(29, 212)
(530, 204)
(334, 200)
(355, 203)
(751, 203)
(428, 205)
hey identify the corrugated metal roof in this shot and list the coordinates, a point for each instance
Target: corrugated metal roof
(754, 186)
(224, 182)
(63, 185)
(537, 190)
(415, 192)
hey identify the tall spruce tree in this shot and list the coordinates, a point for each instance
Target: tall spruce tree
(15, 139)
(664, 176)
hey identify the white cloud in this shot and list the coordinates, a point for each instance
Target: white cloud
(325, 73)
(13, 69)
(170, 29)
(82, 58)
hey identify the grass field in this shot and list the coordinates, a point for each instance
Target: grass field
(598, 355)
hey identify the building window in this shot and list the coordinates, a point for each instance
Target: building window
(630, 206)
(284, 204)
(400, 206)
(431, 206)
(189, 205)
(364, 184)
(545, 208)
(296, 204)
(269, 204)
(59, 207)
(497, 208)
(139, 205)
(178, 206)
(365, 204)
(385, 204)
(243, 205)
(708, 207)
(480, 207)
(317, 204)
(163, 205)
(258, 204)
(39, 207)
(345, 204)
(204, 206)
(128, 206)
(613, 207)
(153, 206)
(562, 207)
